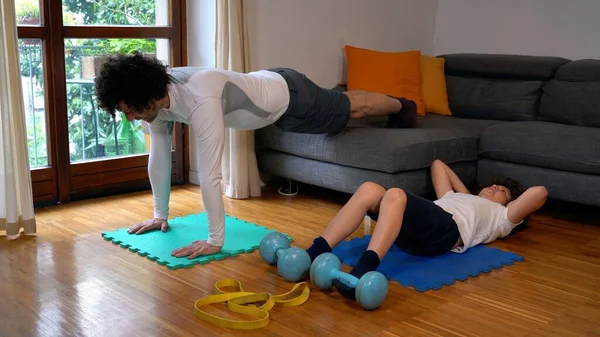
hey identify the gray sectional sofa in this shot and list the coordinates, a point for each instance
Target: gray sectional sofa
(535, 119)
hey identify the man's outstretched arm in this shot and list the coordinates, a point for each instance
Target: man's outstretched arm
(159, 173)
(529, 202)
(444, 179)
(210, 144)
(159, 166)
(209, 132)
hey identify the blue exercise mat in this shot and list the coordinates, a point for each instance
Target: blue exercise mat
(429, 273)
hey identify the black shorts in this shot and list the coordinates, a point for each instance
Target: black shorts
(427, 229)
(312, 109)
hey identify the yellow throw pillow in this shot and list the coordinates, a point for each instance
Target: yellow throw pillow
(433, 85)
(396, 74)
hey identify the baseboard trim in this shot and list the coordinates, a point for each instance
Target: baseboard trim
(193, 175)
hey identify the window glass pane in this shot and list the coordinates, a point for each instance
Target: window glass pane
(28, 12)
(32, 80)
(93, 133)
(116, 12)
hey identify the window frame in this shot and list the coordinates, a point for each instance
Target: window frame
(61, 181)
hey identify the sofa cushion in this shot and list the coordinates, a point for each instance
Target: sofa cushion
(433, 85)
(491, 86)
(544, 144)
(573, 97)
(516, 67)
(391, 73)
(361, 145)
(482, 98)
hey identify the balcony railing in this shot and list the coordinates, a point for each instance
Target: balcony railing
(34, 101)
(93, 134)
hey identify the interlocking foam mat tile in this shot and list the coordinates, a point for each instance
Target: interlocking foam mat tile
(241, 237)
(429, 273)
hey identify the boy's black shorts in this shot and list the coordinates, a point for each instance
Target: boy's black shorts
(427, 229)
(312, 109)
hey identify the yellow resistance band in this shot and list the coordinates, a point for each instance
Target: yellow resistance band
(241, 301)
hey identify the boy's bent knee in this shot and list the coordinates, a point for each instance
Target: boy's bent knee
(371, 188)
(395, 195)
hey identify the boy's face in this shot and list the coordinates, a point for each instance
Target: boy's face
(496, 193)
(148, 114)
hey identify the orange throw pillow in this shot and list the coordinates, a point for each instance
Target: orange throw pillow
(433, 86)
(395, 74)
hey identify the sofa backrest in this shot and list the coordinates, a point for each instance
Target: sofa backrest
(573, 96)
(496, 86)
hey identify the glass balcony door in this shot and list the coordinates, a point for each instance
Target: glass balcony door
(77, 150)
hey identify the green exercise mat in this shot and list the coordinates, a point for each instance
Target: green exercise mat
(240, 237)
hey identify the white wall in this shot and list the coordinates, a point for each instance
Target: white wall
(201, 30)
(535, 27)
(309, 35)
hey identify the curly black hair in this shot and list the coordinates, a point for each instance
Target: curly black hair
(132, 78)
(515, 188)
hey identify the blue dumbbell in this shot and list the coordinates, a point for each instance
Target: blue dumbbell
(293, 263)
(370, 290)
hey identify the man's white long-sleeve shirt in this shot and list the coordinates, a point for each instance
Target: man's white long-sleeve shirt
(210, 100)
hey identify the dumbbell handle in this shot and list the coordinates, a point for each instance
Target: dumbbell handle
(278, 252)
(347, 279)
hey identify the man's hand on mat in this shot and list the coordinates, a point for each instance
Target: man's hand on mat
(149, 225)
(196, 249)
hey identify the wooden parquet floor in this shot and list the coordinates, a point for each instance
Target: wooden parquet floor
(68, 281)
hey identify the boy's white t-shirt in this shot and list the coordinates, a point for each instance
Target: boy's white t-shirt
(479, 220)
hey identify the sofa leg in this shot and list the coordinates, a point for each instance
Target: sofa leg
(289, 188)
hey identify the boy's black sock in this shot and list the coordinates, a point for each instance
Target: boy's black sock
(369, 261)
(318, 247)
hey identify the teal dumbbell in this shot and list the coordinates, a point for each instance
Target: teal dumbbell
(293, 263)
(370, 290)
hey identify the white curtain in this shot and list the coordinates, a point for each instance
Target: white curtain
(239, 167)
(16, 197)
